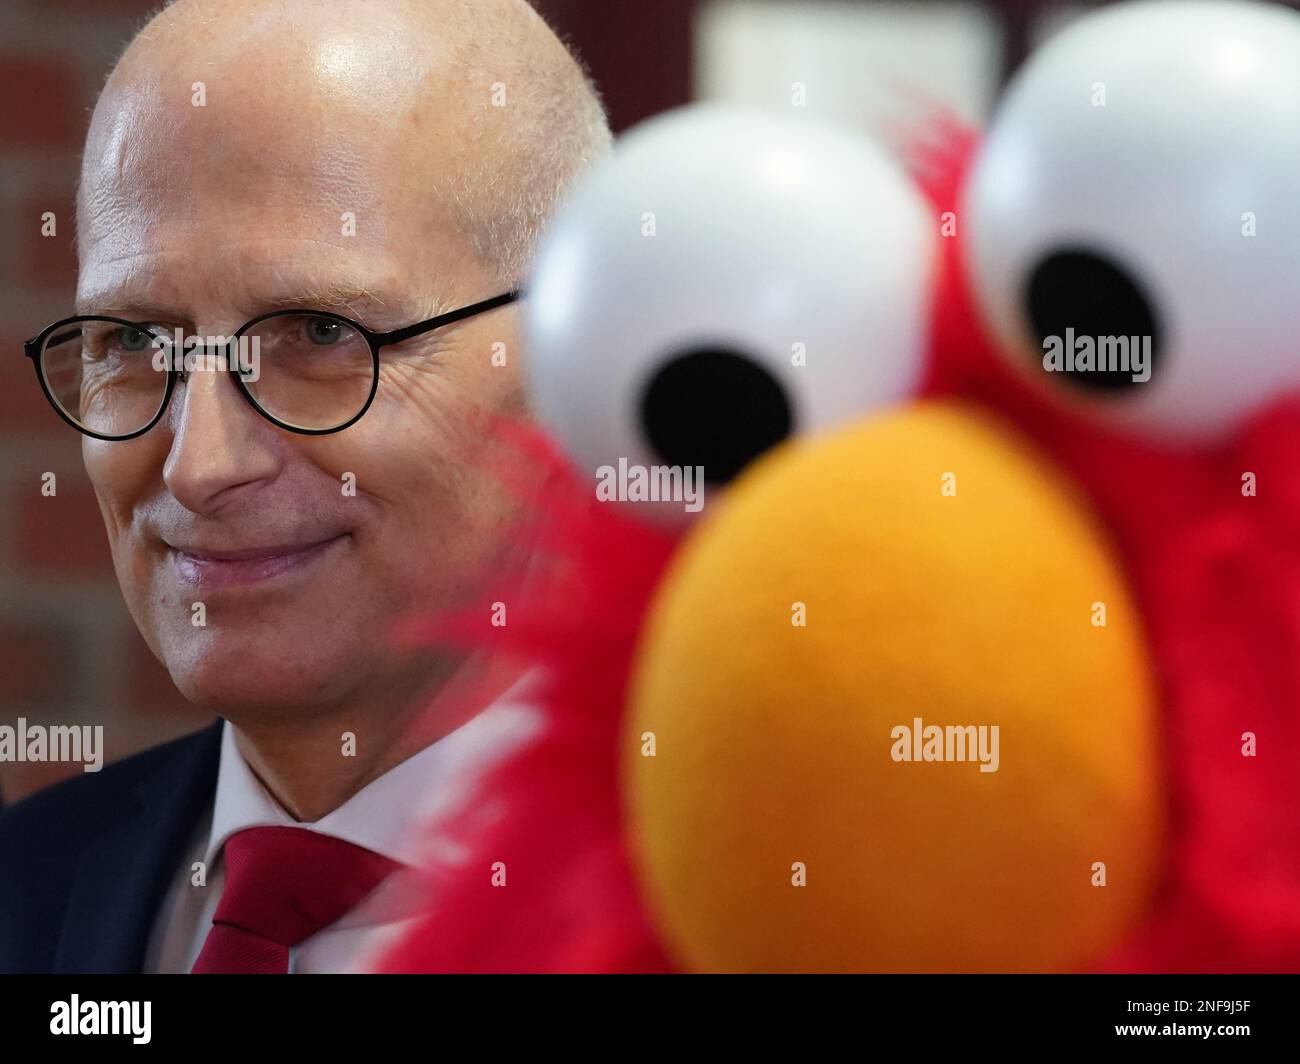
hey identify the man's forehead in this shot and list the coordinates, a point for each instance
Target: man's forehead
(274, 68)
(235, 123)
(145, 148)
(346, 115)
(234, 209)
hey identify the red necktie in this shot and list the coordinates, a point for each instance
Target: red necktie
(282, 886)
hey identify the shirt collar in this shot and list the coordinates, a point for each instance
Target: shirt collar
(382, 815)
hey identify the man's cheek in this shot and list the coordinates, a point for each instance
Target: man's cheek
(122, 473)
(153, 605)
(380, 463)
(435, 397)
(136, 566)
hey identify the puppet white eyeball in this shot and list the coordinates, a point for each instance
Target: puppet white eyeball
(725, 280)
(1134, 214)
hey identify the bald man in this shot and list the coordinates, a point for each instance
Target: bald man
(302, 230)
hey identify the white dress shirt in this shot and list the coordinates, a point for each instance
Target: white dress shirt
(391, 815)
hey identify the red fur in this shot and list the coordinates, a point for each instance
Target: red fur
(1217, 577)
(571, 902)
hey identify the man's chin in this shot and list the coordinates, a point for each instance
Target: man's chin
(231, 674)
(272, 668)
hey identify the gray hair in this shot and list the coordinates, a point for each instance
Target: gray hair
(556, 129)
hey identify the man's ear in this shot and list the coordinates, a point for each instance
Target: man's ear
(517, 403)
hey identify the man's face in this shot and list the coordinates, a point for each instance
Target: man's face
(202, 217)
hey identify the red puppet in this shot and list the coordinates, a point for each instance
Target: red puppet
(984, 656)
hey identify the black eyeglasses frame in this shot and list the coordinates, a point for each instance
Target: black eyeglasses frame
(32, 349)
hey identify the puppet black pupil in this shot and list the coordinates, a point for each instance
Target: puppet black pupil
(1082, 294)
(714, 408)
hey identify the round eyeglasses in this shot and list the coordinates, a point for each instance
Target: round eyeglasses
(307, 371)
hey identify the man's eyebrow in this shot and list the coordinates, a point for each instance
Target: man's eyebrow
(352, 300)
(122, 306)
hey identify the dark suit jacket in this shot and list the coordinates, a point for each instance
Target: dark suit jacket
(85, 864)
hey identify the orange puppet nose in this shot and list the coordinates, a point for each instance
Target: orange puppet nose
(893, 712)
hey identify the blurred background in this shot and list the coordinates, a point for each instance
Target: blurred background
(69, 653)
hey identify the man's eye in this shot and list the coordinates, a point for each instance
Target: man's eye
(323, 331)
(128, 339)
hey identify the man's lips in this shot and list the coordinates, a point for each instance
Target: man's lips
(204, 568)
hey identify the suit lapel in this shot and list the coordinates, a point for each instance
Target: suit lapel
(123, 872)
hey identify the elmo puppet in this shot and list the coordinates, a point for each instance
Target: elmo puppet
(981, 654)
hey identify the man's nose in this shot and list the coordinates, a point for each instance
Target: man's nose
(220, 446)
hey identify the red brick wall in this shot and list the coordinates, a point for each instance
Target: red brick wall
(69, 653)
